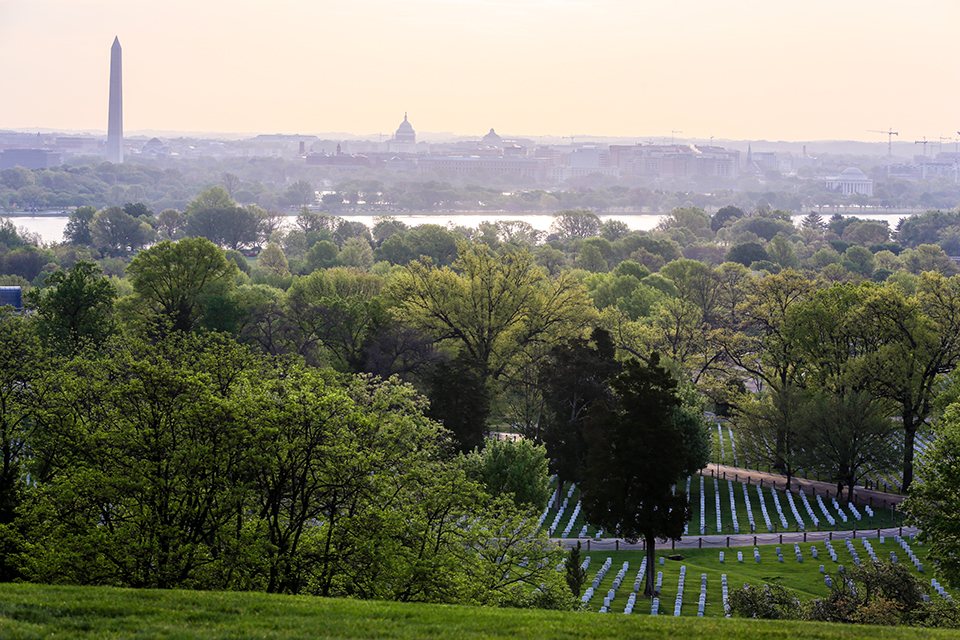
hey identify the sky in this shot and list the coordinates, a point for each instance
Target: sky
(733, 69)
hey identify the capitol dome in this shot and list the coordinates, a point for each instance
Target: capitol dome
(405, 132)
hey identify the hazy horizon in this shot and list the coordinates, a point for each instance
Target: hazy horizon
(738, 70)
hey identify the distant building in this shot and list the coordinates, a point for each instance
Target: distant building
(850, 181)
(492, 138)
(339, 159)
(590, 156)
(562, 173)
(12, 297)
(528, 168)
(675, 161)
(154, 147)
(29, 158)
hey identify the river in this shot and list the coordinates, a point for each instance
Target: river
(50, 225)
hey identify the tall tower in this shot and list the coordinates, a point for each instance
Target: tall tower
(115, 125)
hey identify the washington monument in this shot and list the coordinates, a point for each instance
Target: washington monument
(115, 126)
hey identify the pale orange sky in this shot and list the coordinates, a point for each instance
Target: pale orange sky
(741, 69)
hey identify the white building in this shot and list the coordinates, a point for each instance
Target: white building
(850, 181)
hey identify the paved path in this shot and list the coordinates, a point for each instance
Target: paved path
(741, 540)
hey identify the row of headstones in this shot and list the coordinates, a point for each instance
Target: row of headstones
(906, 547)
(551, 503)
(703, 529)
(793, 508)
(617, 581)
(756, 554)
(559, 516)
(733, 509)
(601, 572)
(763, 508)
(723, 589)
(679, 601)
(776, 503)
(920, 445)
(573, 519)
(746, 500)
(703, 510)
(716, 495)
(780, 513)
(723, 454)
(939, 589)
(686, 527)
(810, 511)
(733, 444)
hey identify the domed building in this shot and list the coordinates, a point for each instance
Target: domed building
(492, 139)
(405, 132)
(850, 181)
(405, 139)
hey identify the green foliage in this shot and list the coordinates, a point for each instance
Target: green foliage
(171, 280)
(575, 574)
(746, 253)
(933, 504)
(516, 468)
(75, 308)
(635, 455)
(575, 223)
(765, 602)
(460, 401)
(573, 377)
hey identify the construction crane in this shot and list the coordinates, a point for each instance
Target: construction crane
(673, 133)
(890, 133)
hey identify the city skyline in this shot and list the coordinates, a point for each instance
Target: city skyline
(604, 68)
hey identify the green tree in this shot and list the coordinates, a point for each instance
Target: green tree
(77, 230)
(847, 437)
(576, 575)
(460, 400)
(301, 193)
(517, 468)
(575, 223)
(273, 260)
(934, 504)
(773, 423)
(914, 341)
(173, 280)
(150, 491)
(635, 456)
(19, 387)
(492, 307)
(746, 253)
(75, 308)
(574, 376)
(116, 232)
(215, 216)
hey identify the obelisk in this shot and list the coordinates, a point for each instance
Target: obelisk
(115, 125)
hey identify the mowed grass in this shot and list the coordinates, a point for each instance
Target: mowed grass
(803, 577)
(29, 612)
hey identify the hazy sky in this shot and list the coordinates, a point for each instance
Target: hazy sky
(743, 69)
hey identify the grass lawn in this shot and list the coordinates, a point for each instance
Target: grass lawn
(802, 577)
(29, 612)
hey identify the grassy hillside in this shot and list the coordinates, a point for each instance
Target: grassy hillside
(30, 611)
